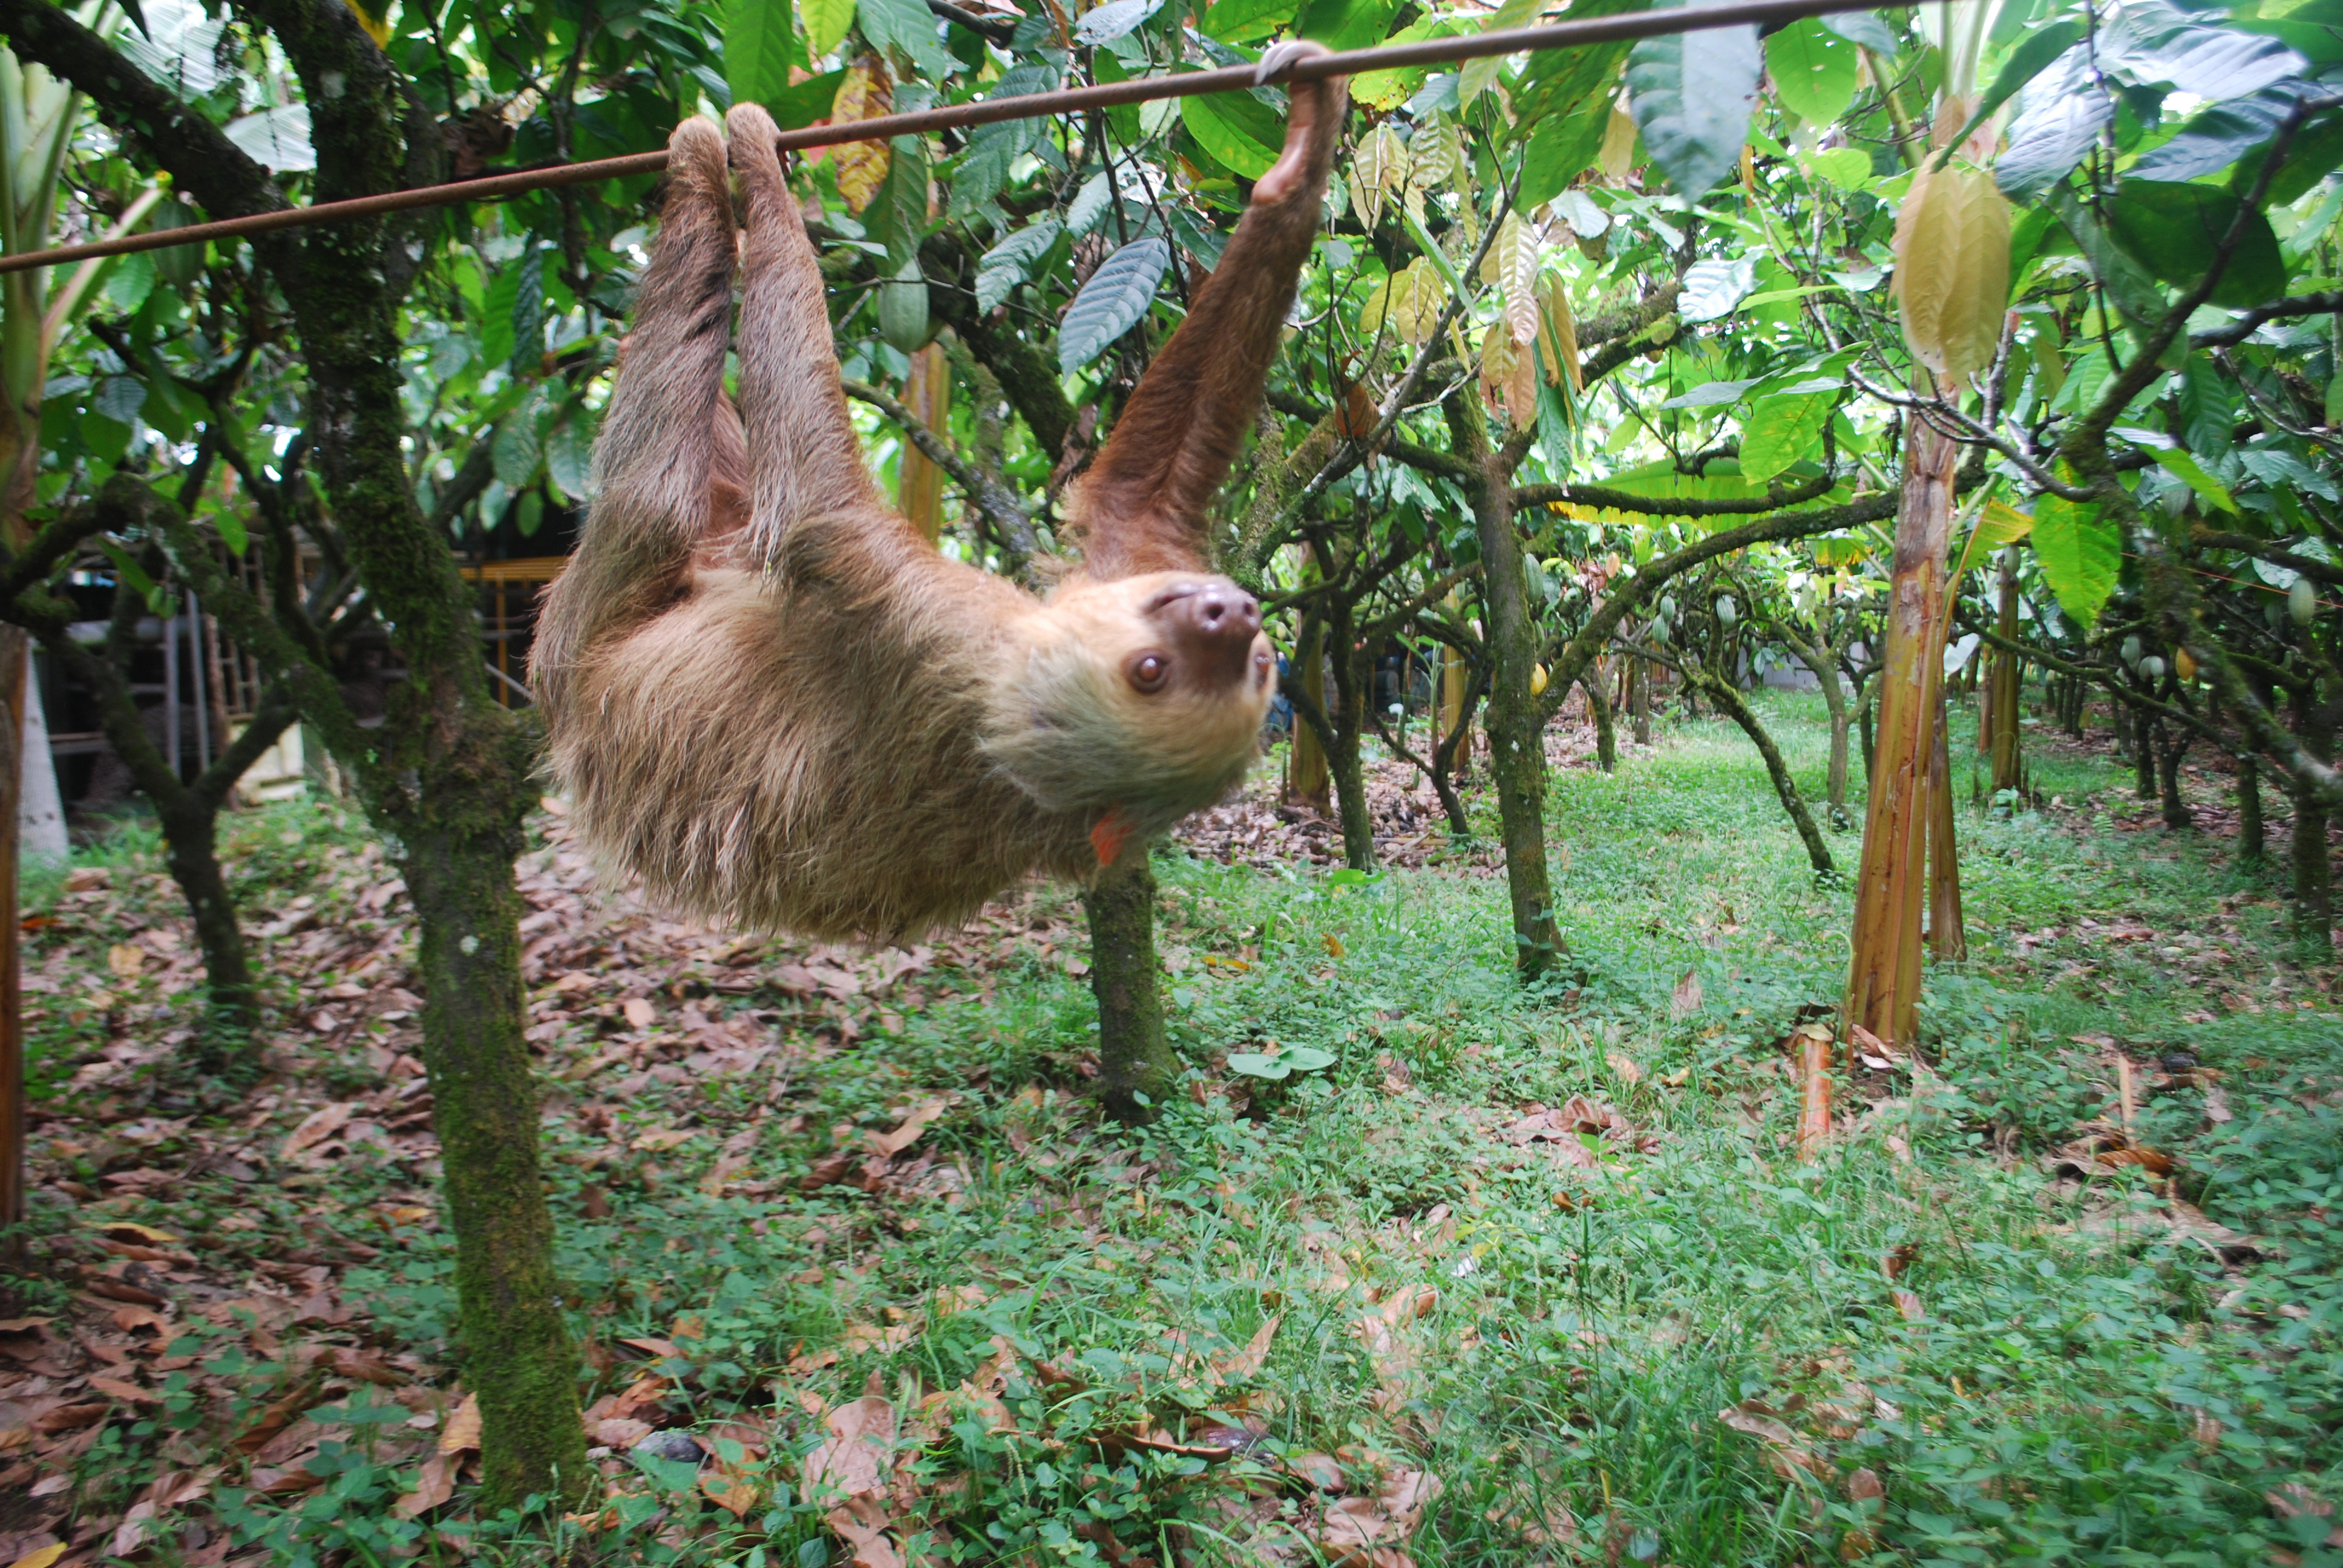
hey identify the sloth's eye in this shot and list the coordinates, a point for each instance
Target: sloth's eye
(1148, 671)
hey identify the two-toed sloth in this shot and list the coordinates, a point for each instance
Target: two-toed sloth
(775, 702)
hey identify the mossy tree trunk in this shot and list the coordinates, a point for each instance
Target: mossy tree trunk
(1308, 780)
(2002, 733)
(1606, 734)
(1137, 1066)
(1353, 679)
(1516, 743)
(2252, 836)
(449, 776)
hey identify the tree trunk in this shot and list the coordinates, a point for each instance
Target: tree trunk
(1607, 736)
(1444, 771)
(2003, 735)
(2178, 818)
(1866, 708)
(1352, 680)
(2314, 893)
(918, 483)
(1948, 937)
(1137, 1067)
(1307, 780)
(1639, 698)
(1883, 992)
(2252, 847)
(2314, 908)
(1731, 703)
(14, 665)
(1455, 706)
(2146, 733)
(1516, 745)
(516, 1351)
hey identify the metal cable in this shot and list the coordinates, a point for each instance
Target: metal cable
(1034, 106)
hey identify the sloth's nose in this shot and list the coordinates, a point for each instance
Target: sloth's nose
(1217, 625)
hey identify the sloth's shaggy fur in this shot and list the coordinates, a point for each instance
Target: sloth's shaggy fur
(778, 705)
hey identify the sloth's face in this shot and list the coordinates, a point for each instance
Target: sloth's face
(1146, 693)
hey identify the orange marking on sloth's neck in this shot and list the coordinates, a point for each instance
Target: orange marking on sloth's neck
(1112, 832)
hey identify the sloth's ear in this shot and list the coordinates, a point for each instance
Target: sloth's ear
(1144, 505)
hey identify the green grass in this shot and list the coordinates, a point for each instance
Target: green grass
(2066, 1381)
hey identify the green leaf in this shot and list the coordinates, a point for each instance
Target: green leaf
(529, 315)
(2220, 135)
(2174, 231)
(1560, 147)
(826, 22)
(228, 523)
(1714, 288)
(760, 44)
(795, 108)
(134, 574)
(514, 450)
(1781, 430)
(2081, 555)
(907, 28)
(1259, 1064)
(1813, 70)
(1245, 21)
(1691, 95)
(1865, 28)
(1112, 20)
(2207, 414)
(2060, 117)
(1113, 302)
(131, 280)
(497, 314)
(897, 216)
(1001, 269)
(569, 456)
(2032, 58)
(1344, 24)
(1567, 81)
(1475, 76)
(1236, 128)
(2184, 467)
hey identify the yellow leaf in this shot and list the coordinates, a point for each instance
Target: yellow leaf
(1436, 155)
(1618, 154)
(1333, 946)
(1378, 170)
(1560, 330)
(40, 1556)
(864, 95)
(1512, 265)
(124, 960)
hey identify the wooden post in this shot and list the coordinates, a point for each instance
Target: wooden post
(2003, 694)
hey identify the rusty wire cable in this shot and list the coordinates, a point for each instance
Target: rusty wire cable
(1034, 106)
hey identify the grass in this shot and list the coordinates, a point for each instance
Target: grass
(1932, 1347)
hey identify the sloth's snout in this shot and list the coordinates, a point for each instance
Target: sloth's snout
(1215, 627)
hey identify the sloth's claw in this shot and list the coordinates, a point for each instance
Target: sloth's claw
(1283, 56)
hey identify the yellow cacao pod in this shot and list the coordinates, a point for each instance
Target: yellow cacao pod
(2184, 664)
(1537, 680)
(1952, 267)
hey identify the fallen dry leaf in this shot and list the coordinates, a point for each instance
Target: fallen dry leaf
(462, 1432)
(1685, 1000)
(316, 1128)
(906, 1133)
(853, 1459)
(435, 1484)
(1785, 1449)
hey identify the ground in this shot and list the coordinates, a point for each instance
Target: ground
(1420, 1267)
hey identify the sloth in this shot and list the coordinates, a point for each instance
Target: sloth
(775, 703)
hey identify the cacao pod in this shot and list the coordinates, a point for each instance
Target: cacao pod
(1952, 267)
(2302, 601)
